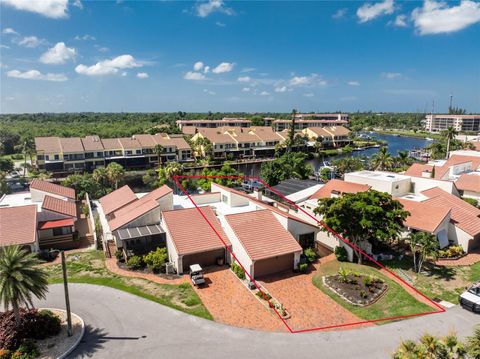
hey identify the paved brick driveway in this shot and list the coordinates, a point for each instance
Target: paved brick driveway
(230, 302)
(308, 305)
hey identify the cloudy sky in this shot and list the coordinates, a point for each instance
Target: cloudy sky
(60, 55)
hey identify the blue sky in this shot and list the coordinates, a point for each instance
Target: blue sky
(60, 56)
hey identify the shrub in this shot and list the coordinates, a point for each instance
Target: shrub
(135, 263)
(238, 271)
(310, 254)
(343, 274)
(452, 252)
(119, 255)
(261, 295)
(302, 268)
(155, 260)
(368, 281)
(363, 294)
(27, 350)
(5, 354)
(341, 254)
(33, 324)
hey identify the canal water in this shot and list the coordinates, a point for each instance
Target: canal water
(394, 143)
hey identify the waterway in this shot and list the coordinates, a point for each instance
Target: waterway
(394, 143)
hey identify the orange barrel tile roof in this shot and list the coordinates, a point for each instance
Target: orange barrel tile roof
(424, 216)
(117, 199)
(53, 188)
(191, 233)
(53, 204)
(18, 225)
(339, 187)
(262, 235)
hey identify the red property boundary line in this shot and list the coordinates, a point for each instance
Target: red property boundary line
(293, 331)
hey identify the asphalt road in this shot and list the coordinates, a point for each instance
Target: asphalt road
(121, 325)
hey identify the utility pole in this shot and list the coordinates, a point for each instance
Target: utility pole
(67, 299)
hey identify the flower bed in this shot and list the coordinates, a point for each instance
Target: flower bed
(272, 303)
(357, 289)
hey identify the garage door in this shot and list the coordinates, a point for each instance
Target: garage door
(205, 259)
(273, 265)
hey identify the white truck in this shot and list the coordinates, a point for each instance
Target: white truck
(470, 299)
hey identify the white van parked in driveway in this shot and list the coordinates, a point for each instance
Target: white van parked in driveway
(470, 299)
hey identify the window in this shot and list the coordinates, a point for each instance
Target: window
(40, 157)
(56, 157)
(224, 198)
(62, 231)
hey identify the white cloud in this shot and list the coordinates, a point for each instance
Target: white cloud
(223, 67)
(244, 79)
(142, 75)
(401, 21)
(78, 3)
(36, 75)
(353, 83)
(206, 70)
(436, 17)
(246, 89)
(248, 69)
(391, 75)
(369, 11)
(55, 9)
(198, 66)
(340, 13)
(58, 54)
(85, 37)
(124, 73)
(31, 41)
(109, 67)
(312, 80)
(9, 31)
(4, 46)
(212, 93)
(194, 76)
(221, 24)
(203, 9)
(281, 89)
(308, 94)
(264, 93)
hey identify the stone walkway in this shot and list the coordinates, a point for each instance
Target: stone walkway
(309, 306)
(230, 302)
(468, 260)
(111, 264)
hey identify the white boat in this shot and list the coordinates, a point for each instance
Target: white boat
(429, 139)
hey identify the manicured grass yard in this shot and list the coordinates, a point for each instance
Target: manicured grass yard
(438, 282)
(395, 302)
(89, 267)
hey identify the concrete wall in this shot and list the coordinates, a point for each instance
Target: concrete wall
(232, 199)
(172, 251)
(459, 237)
(149, 218)
(422, 184)
(206, 198)
(46, 215)
(166, 202)
(237, 248)
(471, 194)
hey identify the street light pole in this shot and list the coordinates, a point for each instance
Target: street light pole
(67, 299)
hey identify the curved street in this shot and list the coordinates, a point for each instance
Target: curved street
(121, 325)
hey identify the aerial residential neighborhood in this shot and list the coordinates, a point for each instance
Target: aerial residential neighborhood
(211, 178)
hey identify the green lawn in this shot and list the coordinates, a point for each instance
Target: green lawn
(89, 267)
(436, 281)
(395, 302)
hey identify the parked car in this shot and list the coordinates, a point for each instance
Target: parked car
(196, 275)
(470, 299)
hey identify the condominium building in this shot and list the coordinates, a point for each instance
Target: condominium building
(226, 121)
(331, 136)
(437, 123)
(303, 121)
(63, 155)
(237, 142)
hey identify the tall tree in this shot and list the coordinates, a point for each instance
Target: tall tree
(473, 344)
(382, 160)
(20, 279)
(365, 216)
(115, 173)
(423, 246)
(289, 165)
(291, 132)
(158, 149)
(449, 134)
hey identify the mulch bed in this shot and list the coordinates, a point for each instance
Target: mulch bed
(354, 290)
(145, 270)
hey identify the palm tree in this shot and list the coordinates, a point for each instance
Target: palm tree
(425, 245)
(382, 160)
(473, 344)
(20, 278)
(407, 349)
(27, 147)
(100, 175)
(173, 169)
(402, 158)
(158, 149)
(115, 173)
(432, 348)
(455, 348)
(291, 132)
(449, 134)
